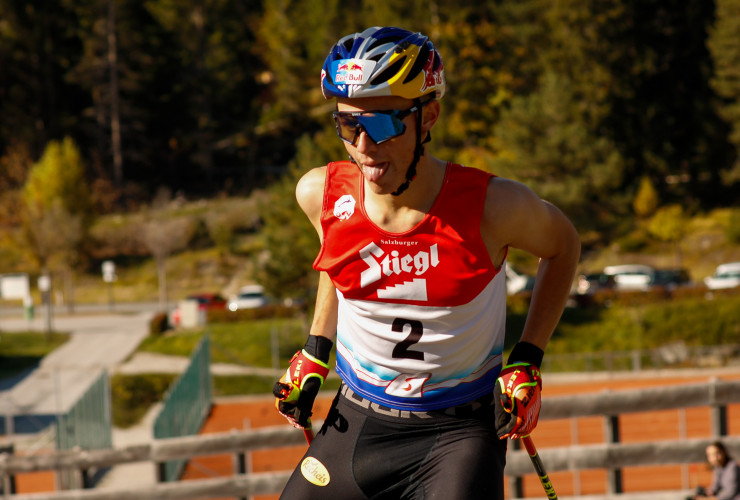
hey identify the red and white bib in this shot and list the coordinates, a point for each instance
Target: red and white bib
(421, 313)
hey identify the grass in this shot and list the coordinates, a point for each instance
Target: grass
(246, 343)
(23, 350)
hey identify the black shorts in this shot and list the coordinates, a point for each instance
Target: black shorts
(366, 451)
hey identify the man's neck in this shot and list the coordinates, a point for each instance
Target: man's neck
(401, 213)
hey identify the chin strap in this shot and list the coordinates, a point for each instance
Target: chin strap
(418, 151)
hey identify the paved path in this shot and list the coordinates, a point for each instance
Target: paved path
(97, 343)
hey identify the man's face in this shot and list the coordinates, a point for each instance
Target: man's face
(383, 165)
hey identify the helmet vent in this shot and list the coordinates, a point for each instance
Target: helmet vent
(419, 63)
(389, 72)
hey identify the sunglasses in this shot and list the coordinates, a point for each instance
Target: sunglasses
(381, 126)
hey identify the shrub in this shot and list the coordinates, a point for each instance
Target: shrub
(266, 312)
(732, 230)
(158, 324)
(132, 395)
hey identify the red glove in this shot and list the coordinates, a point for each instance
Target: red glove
(297, 389)
(519, 389)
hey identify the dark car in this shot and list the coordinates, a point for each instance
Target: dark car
(670, 279)
(591, 283)
(208, 301)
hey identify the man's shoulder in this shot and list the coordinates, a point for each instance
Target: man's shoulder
(311, 181)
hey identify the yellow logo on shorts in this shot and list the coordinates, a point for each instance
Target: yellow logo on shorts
(314, 471)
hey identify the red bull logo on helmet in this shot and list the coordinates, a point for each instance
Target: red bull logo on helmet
(432, 79)
(352, 71)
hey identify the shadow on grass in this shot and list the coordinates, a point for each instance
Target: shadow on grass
(13, 369)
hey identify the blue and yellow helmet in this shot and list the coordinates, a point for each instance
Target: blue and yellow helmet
(383, 62)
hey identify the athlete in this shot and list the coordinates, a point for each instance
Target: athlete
(412, 291)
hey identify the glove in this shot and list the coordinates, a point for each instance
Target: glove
(518, 389)
(296, 391)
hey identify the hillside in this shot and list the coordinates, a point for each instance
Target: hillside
(223, 242)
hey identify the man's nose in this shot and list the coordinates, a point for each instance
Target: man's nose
(364, 141)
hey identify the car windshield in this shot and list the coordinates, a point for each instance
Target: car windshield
(729, 274)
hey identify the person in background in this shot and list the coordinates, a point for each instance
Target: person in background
(412, 287)
(725, 475)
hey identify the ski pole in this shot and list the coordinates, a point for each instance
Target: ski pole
(539, 468)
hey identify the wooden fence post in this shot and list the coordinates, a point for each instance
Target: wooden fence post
(516, 484)
(7, 481)
(161, 472)
(614, 476)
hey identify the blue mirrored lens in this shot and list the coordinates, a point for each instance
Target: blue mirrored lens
(381, 126)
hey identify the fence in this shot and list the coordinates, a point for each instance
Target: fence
(676, 354)
(613, 456)
(186, 406)
(88, 424)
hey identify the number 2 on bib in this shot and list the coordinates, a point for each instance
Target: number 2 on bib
(402, 351)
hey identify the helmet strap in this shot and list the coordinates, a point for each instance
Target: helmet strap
(418, 152)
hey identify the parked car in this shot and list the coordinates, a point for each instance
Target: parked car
(206, 302)
(249, 297)
(631, 276)
(591, 283)
(517, 282)
(725, 276)
(670, 279)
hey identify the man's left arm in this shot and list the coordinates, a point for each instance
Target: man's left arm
(526, 222)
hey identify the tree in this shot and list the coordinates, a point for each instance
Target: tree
(58, 212)
(669, 225)
(646, 200)
(546, 142)
(724, 45)
(290, 240)
(163, 236)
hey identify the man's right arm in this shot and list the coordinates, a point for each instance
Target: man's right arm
(310, 196)
(296, 391)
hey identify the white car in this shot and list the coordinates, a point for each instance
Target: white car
(725, 276)
(631, 276)
(517, 282)
(249, 297)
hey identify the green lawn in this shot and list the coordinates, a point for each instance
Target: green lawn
(23, 350)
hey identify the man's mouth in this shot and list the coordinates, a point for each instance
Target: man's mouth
(375, 171)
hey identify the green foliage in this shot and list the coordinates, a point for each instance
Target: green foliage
(246, 343)
(646, 201)
(22, 350)
(59, 174)
(732, 229)
(265, 312)
(58, 209)
(289, 237)
(132, 395)
(668, 223)
(724, 46)
(649, 324)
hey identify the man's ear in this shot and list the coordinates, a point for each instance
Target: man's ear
(430, 114)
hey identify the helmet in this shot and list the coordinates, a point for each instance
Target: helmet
(383, 62)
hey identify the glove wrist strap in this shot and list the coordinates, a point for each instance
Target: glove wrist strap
(526, 352)
(318, 347)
